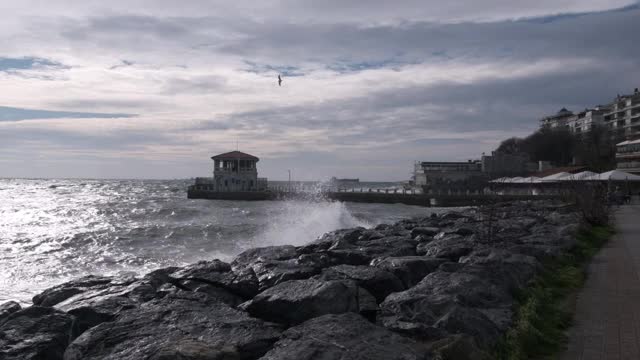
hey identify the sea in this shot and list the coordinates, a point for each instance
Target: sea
(53, 230)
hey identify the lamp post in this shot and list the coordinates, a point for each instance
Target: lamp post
(289, 183)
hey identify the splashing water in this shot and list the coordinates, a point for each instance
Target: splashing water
(54, 230)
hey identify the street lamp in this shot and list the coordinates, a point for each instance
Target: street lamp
(289, 184)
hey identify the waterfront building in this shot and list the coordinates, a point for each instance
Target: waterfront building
(628, 156)
(233, 171)
(623, 117)
(432, 172)
(502, 164)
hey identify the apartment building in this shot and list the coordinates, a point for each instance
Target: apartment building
(623, 117)
(628, 156)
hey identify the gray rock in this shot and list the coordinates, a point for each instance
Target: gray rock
(449, 246)
(344, 336)
(8, 308)
(241, 282)
(502, 266)
(428, 231)
(64, 291)
(35, 333)
(103, 303)
(283, 252)
(409, 269)
(465, 320)
(377, 281)
(296, 301)
(178, 326)
(358, 247)
(425, 310)
(458, 347)
(274, 272)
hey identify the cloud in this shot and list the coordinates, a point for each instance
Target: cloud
(369, 86)
(17, 114)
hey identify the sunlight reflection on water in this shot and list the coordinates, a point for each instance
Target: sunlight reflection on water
(55, 230)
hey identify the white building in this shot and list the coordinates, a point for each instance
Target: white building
(623, 117)
(577, 123)
(584, 121)
(628, 156)
(557, 121)
(234, 171)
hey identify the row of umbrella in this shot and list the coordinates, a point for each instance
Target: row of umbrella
(613, 175)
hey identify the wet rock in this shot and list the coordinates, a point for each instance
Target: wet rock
(241, 282)
(99, 304)
(466, 320)
(426, 310)
(64, 291)
(274, 272)
(449, 246)
(344, 336)
(511, 269)
(296, 301)
(8, 308)
(178, 326)
(464, 231)
(458, 347)
(409, 269)
(377, 281)
(283, 252)
(356, 247)
(35, 333)
(427, 231)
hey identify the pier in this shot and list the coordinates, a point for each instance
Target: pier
(382, 197)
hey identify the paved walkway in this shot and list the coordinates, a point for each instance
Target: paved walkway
(607, 319)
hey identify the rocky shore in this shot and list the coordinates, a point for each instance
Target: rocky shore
(440, 287)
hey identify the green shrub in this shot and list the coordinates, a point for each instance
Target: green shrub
(542, 315)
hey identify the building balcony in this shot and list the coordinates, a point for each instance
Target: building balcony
(235, 171)
(628, 155)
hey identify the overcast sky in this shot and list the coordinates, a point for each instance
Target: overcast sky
(154, 88)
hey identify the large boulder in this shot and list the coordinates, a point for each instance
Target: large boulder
(179, 326)
(247, 257)
(343, 336)
(377, 281)
(511, 269)
(409, 269)
(444, 301)
(360, 246)
(241, 282)
(35, 333)
(295, 301)
(448, 245)
(104, 302)
(64, 291)
(274, 272)
(8, 308)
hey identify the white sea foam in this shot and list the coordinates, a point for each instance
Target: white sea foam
(299, 222)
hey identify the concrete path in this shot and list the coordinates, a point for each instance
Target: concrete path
(607, 319)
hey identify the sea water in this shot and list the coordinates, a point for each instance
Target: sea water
(52, 231)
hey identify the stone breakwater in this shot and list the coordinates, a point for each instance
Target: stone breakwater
(440, 287)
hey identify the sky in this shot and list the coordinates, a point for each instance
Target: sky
(154, 88)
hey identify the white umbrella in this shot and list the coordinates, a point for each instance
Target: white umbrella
(527, 180)
(500, 180)
(579, 176)
(555, 177)
(615, 175)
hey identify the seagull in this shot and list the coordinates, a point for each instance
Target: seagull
(279, 81)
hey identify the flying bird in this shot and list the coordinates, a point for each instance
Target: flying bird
(279, 81)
